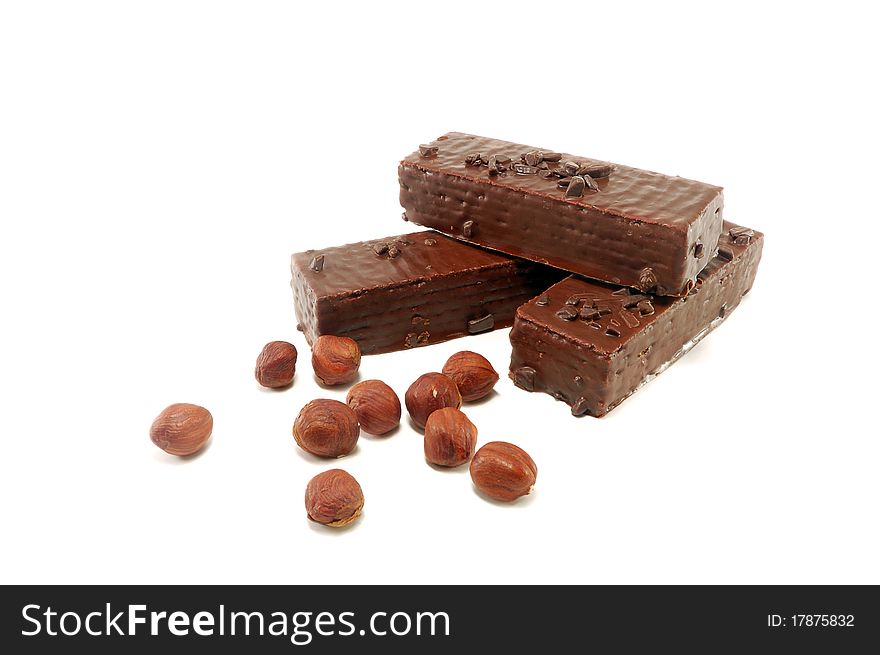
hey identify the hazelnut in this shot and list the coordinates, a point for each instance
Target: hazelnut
(276, 364)
(334, 498)
(472, 374)
(503, 471)
(326, 428)
(450, 437)
(182, 429)
(376, 406)
(335, 359)
(430, 392)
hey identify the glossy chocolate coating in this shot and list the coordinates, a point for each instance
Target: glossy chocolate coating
(410, 290)
(637, 220)
(619, 339)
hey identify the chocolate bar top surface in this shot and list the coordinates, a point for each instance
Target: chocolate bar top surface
(627, 192)
(624, 320)
(370, 265)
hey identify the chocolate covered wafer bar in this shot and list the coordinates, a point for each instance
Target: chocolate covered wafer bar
(592, 344)
(610, 222)
(410, 290)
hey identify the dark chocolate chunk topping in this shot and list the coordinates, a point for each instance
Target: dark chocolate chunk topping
(380, 248)
(741, 236)
(645, 307)
(575, 187)
(467, 228)
(317, 263)
(430, 242)
(589, 314)
(543, 301)
(612, 332)
(524, 169)
(524, 378)
(580, 407)
(725, 254)
(590, 182)
(482, 324)
(474, 159)
(551, 156)
(596, 170)
(533, 158)
(428, 151)
(570, 167)
(567, 313)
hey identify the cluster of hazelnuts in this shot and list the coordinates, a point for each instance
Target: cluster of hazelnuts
(329, 428)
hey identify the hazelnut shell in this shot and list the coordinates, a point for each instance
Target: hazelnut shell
(450, 437)
(376, 406)
(472, 374)
(428, 393)
(182, 429)
(326, 428)
(276, 364)
(503, 471)
(335, 360)
(334, 498)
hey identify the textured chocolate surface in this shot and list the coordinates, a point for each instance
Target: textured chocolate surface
(592, 344)
(639, 229)
(410, 290)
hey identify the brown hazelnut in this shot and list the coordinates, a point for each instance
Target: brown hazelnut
(276, 364)
(182, 429)
(334, 498)
(326, 428)
(450, 437)
(376, 405)
(503, 471)
(472, 374)
(335, 359)
(430, 392)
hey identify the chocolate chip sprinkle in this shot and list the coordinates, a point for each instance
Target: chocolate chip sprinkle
(543, 300)
(563, 183)
(393, 251)
(467, 228)
(580, 407)
(567, 313)
(633, 300)
(380, 248)
(481, 324)
(430, 242)
(317, 263)
(428, 151)
(590, 182)
(645, 307)
(524, 378)
(725, 254)
(589, 314)
(474, 159)
(612, 332)
(551, 156)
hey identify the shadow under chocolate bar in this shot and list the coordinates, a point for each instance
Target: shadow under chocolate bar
(592, 345)
(610, 222)
(410, 290)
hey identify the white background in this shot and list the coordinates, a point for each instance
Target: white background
(159, 162)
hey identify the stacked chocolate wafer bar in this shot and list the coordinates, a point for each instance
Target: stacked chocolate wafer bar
(607, 273)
